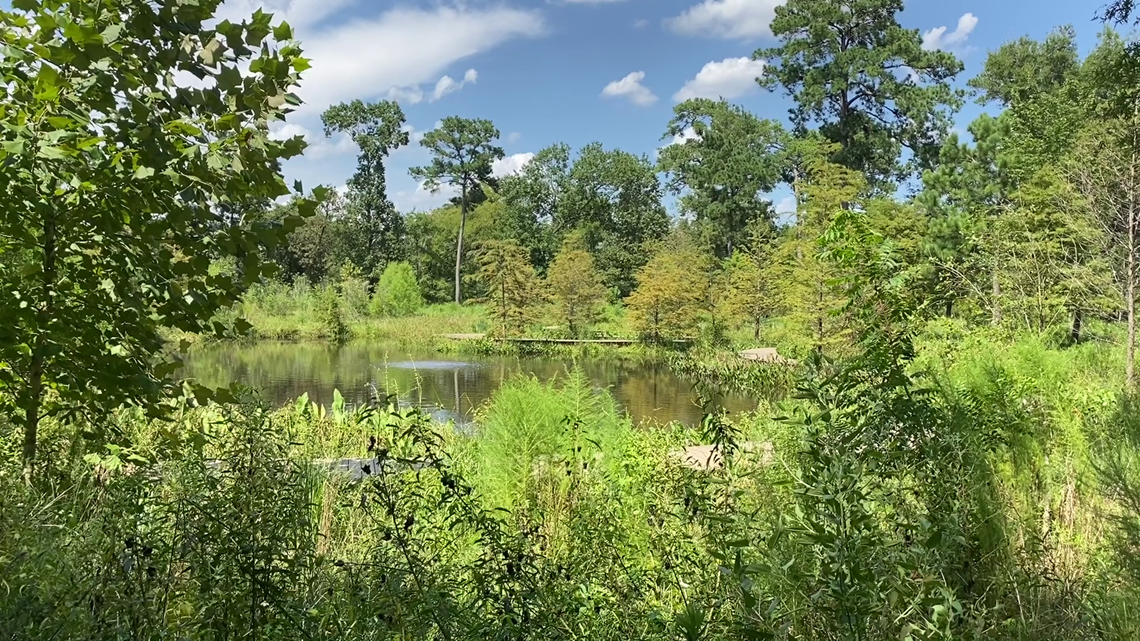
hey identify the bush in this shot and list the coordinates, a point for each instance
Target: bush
(397, 293)
(330, 315)
(353, 288)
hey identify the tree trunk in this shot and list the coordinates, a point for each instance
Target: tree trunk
(36, 371)
(995, 304)
(459, 244)
(949, 308)
(1078, 323)
(1130, 296)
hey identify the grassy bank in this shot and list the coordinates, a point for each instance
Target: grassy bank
(986, 500)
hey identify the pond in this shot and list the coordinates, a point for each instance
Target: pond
(448, 386)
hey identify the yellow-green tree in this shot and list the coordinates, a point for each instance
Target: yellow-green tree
(671, 293)
(748, 290)
(575, 285)
(513, 288)
(803, 280)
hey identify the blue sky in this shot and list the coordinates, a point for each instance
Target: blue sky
(575, 71)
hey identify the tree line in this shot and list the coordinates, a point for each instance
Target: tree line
(1026, 219)
(125, 184)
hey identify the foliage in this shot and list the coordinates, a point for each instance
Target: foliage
(670, 295)
(533, 203)
(462, 153)
(352, 290)
(397, 293)
(615, 198)
(970, 189)
(722, 161)
(843, 63)
(212, 548)
(374, 227)
(575, 286)
(749, 294)
(330, 315)
(123, 185)
(805, 284)
(513, 289)
(431, 239)
(316, 246)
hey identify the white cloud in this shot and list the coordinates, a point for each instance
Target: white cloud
(786, 211)
(287, 131)
(411, 94)
(630, 87)
(414, 134)
(513, 137)
(300, 14)
(729, 19)
(937, 38)
(591, 1)
(728, 79)
(402, 48)
(510, 164)
(446, 85)
(422, 198)
(687, 134)
(318, 145)
(640, 24)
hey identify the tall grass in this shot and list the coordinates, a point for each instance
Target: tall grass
(298, 312)
(988, 490)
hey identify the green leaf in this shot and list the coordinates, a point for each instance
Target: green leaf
(143, 172)
(224, 395)
(228, 78)
(283, 32)
(13, 146)
(51, 152)
(111, 33)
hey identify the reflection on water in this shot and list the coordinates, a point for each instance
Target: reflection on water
(445, 387)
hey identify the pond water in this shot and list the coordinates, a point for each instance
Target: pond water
(448, 386)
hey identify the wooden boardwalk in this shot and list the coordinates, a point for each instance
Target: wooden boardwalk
(558, 341)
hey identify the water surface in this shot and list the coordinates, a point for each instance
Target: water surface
(446, 385)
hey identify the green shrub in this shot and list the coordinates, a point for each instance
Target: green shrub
(330, 315)
(353, 290)
(397, 292)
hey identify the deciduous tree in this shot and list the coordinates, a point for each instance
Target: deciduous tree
(397, 293)
(512, 286)
(575, 285)
(974, 181)
(532, 201)
(118, 175)
(725, 161)
(749, 293)
(615, 197)
(670, 295)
